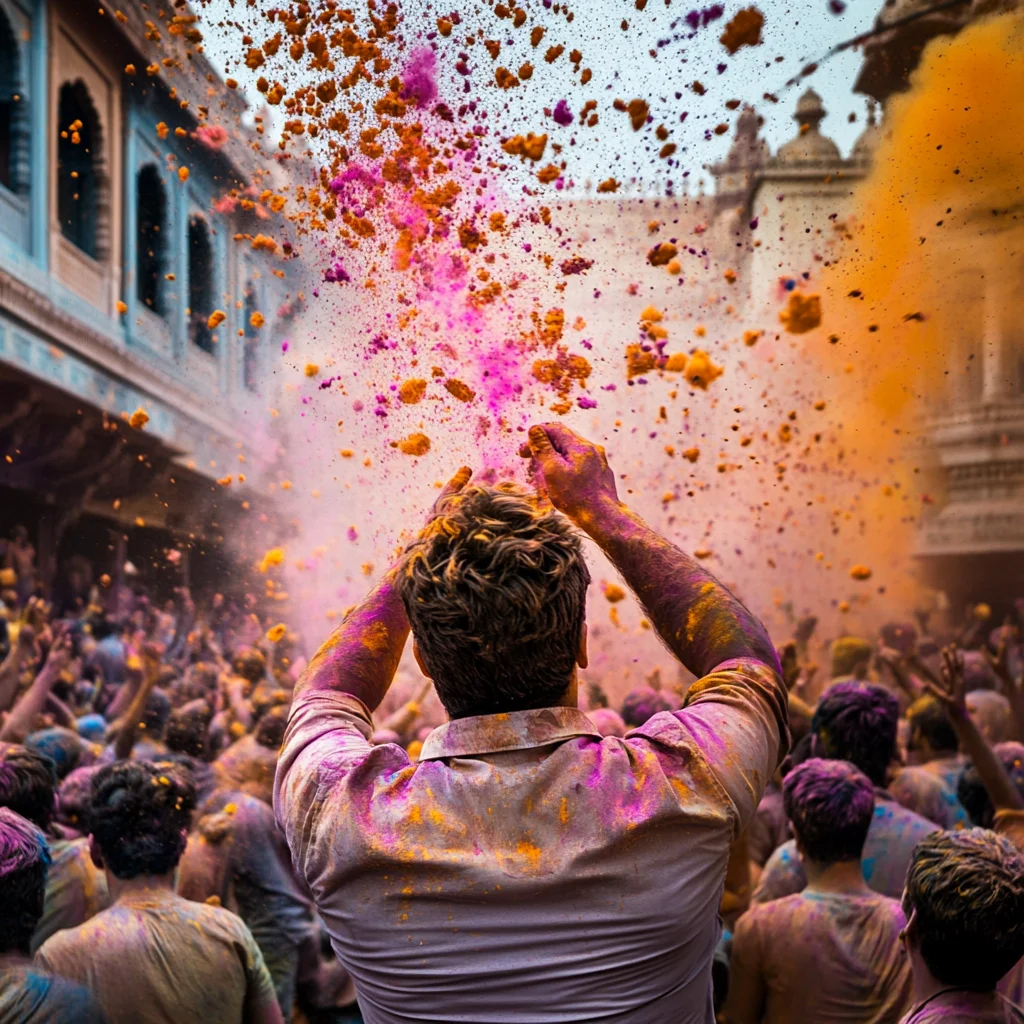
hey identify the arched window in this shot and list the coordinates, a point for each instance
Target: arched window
(150, 248)
(200, 282)
(81, 175)
(250, 352)
(13, 120)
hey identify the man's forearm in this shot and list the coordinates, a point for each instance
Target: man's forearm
(699, 620)
(23, 715)
(362, 654)
(994, 777)
(9, 672)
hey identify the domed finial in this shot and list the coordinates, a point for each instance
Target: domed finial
(809, 111)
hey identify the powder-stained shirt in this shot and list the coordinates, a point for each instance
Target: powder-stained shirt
(947, 769)
(826, 958)
(31, 996)
(965, 1008)
(238, 854)
(75, 889)
(928, 794)
(249, 766)
(527, 869)
(163, 960)
(892, 836)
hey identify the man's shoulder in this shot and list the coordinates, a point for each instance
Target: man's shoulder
(892, 815)
(217, 922)
(62, 950)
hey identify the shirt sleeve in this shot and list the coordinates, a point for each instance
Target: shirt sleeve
(327, 739)
(57, 955)
(259, 986)
(737, 718)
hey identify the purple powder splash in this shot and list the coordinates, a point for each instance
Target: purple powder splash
(336, 272)
(562, 114)
(419, 77)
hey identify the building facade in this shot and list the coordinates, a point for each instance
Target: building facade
(125, 222)
(972, 542)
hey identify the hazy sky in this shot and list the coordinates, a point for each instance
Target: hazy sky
(799, 32)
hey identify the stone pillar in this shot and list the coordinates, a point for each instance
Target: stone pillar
(39, 158)
(996, 368)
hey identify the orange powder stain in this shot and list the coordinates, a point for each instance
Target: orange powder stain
(530, 852)
(563, 811)
(376, 638)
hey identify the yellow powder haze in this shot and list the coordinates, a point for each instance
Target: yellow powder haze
(937, 246)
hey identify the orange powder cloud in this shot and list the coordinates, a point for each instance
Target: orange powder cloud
(937, 246)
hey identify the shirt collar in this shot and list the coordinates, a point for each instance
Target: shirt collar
(512, 730)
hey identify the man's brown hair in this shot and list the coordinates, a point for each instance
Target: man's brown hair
(967, 889)
(495, 589)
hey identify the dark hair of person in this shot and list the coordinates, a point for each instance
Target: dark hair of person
(28, 781)
(967, 890)
(857, 722)
(102, 628)
(901, 636)
(829, 805)
(204, 674)
(74, 798)
(802, 750)
(971, 792)
(139, 815)
(156, 713)
(495, 589)
(928, 720)
(269, 730)
(24, 860)
(187, 727)
(249, 663)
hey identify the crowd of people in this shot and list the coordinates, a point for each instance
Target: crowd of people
(197, 825)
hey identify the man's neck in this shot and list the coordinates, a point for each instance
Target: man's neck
(925, 985)
(142, 887)
(844, 877)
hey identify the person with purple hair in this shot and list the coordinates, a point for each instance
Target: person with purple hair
(857, 722)
(837, 931)
(28, 994)
(75, 888)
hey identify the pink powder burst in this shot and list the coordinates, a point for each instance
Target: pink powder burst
(213, 136)
(419, 77)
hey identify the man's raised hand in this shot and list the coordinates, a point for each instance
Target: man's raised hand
(573, 471)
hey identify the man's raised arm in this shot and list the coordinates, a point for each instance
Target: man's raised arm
(699, 620)
(361, 656)
(737, 713)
